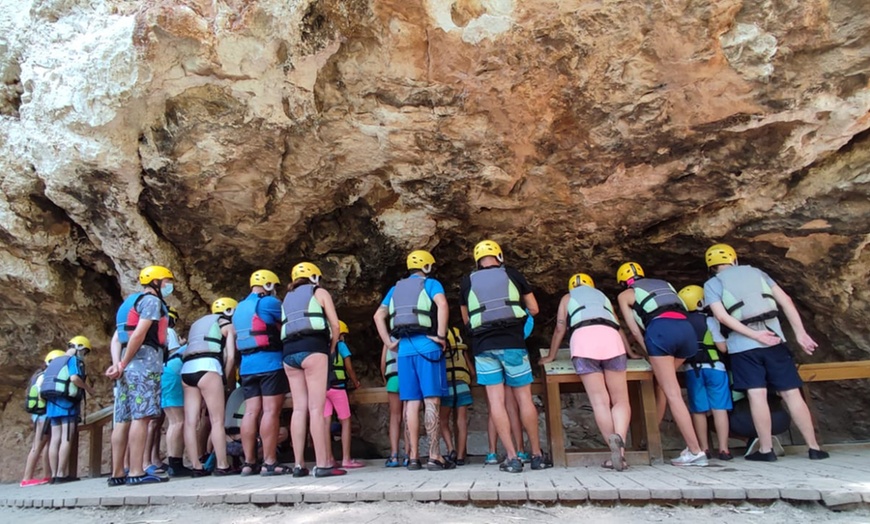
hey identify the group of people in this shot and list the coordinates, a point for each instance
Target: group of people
(296, 345)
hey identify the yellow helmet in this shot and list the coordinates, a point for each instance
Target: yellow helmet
(454, 338)
(79, 342)
(306, 270)
(422, 260)
(53, 354)
(693, 296)
(488, 248)
(152, 273)
(262, 277)
(580, 279)
(719, 254)
(173, 313)
(342, 328)
(628, 271)
(224, 305)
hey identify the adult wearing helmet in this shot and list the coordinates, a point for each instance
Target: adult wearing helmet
(310, 332)
(211, 349)
(35, 405)
(142, 326)
(413, 317)
(257, 322)
(495, 301)
(746, 301)
(656, 317)
(598, 352)
(63, 387)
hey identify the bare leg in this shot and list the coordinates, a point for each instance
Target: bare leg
(138, 434)
(800, 414)
(54, 449)
(35, 448)
(68, 430)
(433, 427)
(444, 419)
(491, 433)
(395, 422)
(412, 427)
(529, 416)
(250, 421)
(665, 370)
(499, 416)
(661, 402)
(462, 432)
(699, 420)
(720, 422)
(617, 388)
(211, 387)
(330, 456)
(269, 427)
(315, 367)
(760, 411)
(119, 448)
(192, 409)
(513, 412)
(299, 418)
(345, 440)
(599, 398)
(175, 432)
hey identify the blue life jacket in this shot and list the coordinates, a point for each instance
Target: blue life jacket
(252, 332)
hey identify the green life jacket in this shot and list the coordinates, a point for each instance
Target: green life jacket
(302, 314)
(205, 339)
(391, 367)
(587, 306)
(57, 383)
(652, 298)
(746, 295)
(493, 300)
(411, 309)
(35, 404)
(339, 373)
(707, 351)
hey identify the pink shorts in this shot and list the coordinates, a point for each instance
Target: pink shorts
(336, 398)
(597, 342)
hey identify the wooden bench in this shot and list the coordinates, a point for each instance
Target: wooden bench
(93, 425)
(560, 377)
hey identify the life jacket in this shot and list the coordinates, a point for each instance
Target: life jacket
(338, 377)
(56, 381)
(391, 367)
(205, 339)
(456, 364)
(707, 351)
(252, 332)
(587, 306)
(654, 297)
(127, 319)
(746, 296)
(411, 309)
(494, 300)
(35, 404)
(302, 314)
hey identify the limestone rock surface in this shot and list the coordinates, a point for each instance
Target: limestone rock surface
(218, 137)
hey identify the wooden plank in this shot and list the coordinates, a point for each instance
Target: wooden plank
(555, 430)
(827, 371)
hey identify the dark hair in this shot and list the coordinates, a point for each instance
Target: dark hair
(298, 282)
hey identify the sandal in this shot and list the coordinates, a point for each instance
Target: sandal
(116, 481)
(223, 472)
(414, 465)
(249, 469)
(607, 464)
(616, 445)
(392, 462)
(144, 479)
(352, 464)
(438, 465)
(269, 470)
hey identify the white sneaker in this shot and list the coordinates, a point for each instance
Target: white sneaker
(777, 447)
(687, 458)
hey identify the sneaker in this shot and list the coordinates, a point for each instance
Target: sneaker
(725, 455)
(329, 472)
(392, 462)
(31, 482)
(179, 471)
(198, 473)
(817, 454)
(299, 471)
(777, 447)
(513, 465)
(687, 458)
(541, 462)
(525, 457)
(491, 459)
(439, 465)
(758, 456)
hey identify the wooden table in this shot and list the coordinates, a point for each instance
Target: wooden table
(560, 377)
(92, 424)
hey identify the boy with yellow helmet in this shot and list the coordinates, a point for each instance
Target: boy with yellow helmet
(460, 375)
(745, 300)
(340, 373)
(35, 405)
(656, 317)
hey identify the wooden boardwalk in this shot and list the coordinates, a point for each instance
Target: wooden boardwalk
(841, 482)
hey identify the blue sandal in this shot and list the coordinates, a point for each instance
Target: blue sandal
(392, 462)
(144, 479)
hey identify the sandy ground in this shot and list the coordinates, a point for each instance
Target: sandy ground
(438, 513)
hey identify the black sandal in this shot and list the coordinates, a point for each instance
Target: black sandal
(223, 472)
(269, 470)
(251, 469)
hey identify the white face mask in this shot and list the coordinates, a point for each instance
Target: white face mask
(167, 290)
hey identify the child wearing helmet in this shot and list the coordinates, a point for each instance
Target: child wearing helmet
(598, 352)
(707, 382)
(656, 317)
(310, 334)
(340, 373)
(460, 376)
(746, 302)
(35, 405)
